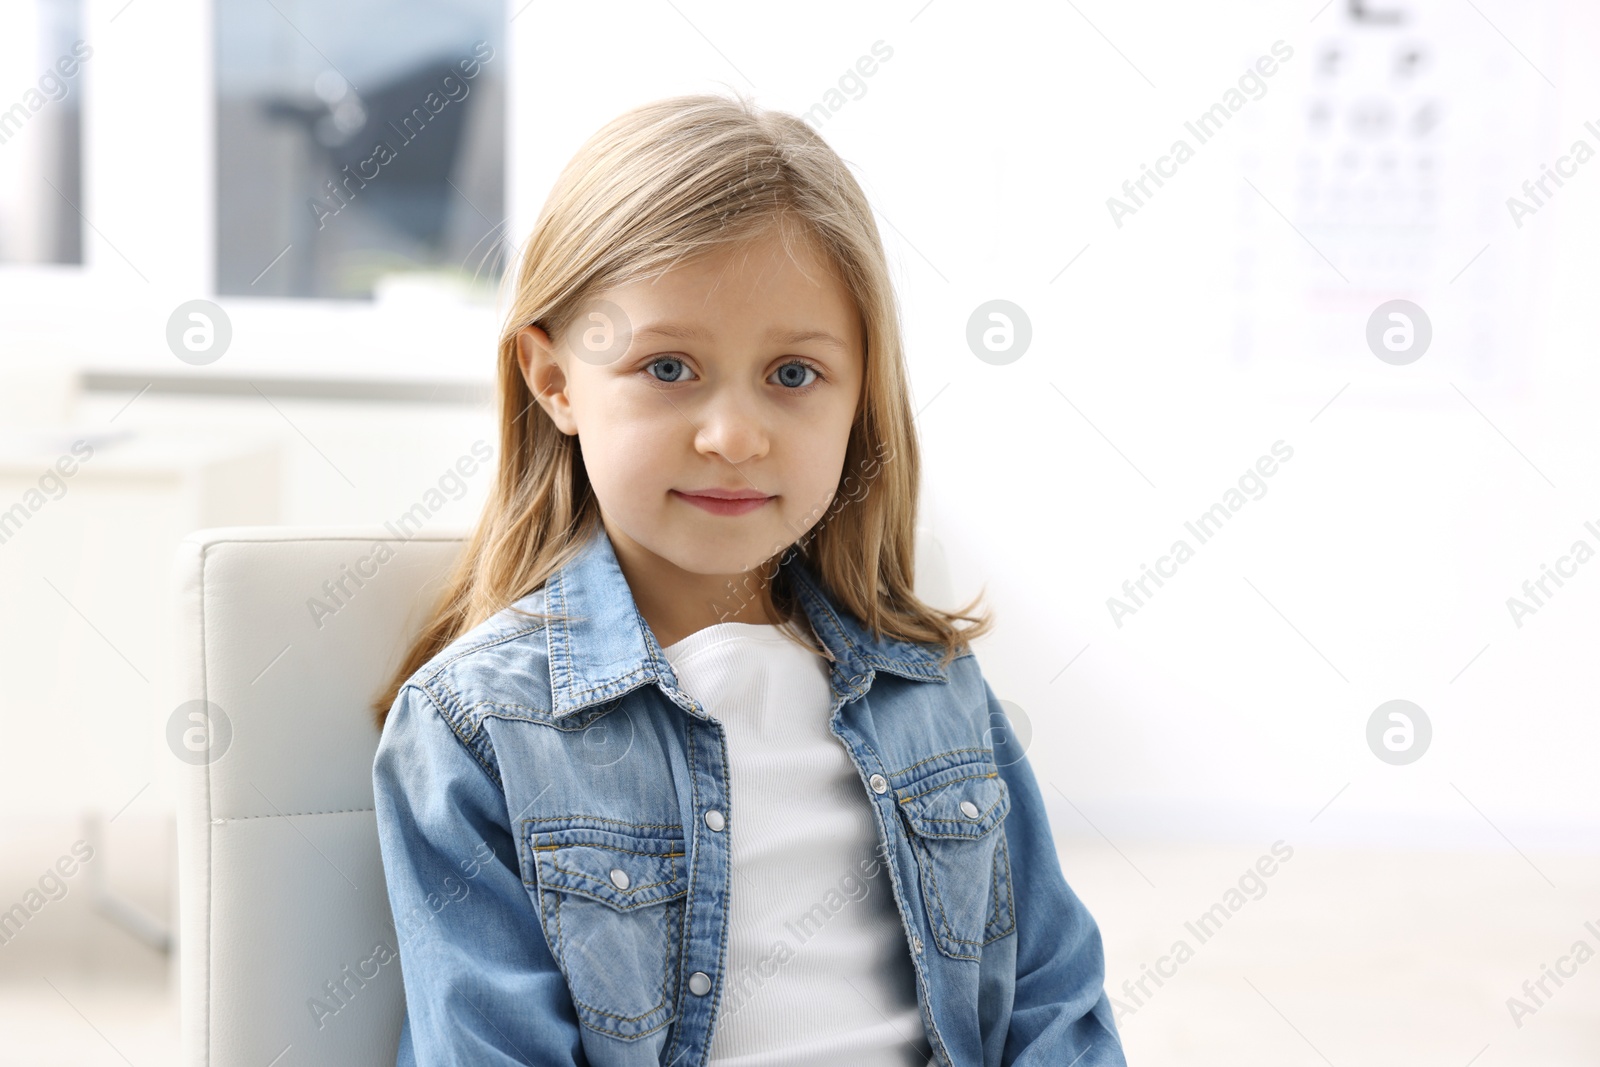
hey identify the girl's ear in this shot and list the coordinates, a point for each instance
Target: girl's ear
(536, 357)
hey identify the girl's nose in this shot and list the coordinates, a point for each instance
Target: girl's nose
(733, 429)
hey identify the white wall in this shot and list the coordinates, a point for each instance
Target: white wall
(1415, 503)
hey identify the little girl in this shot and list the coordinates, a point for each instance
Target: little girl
(681, 771)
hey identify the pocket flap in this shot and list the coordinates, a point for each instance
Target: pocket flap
(623, 870)
(964, 801)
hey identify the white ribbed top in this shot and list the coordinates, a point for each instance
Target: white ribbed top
(819, 971)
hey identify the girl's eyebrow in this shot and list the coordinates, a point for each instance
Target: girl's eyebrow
(779, 334)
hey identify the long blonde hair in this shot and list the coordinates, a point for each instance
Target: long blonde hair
(657, 185)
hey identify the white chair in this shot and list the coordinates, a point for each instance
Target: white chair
(281, 892)
(282, 902)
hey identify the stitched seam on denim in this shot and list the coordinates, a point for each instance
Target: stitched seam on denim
(581, 718)
(458, 716)
(924, 1010)
(524, 834)
(945, 931)
(562, 675)
(560, 668)
(651, 663)
(607, 848)
(547, 903)
(964, 821)
(604, 848)
(1010, 901)
(601, 1011)
(930, 895)
(897, 666)
(941, 755)
(612, 886)
(619, 822)
(727, 883)
(864, 654)
(490, 643)
(859, 652)
(466, 743)
(612, 1015)
(470, 708)
(946, 785)
(944, 919)
(688, 903)
(666, 974)
(595, 844)
(555, 908)
(994, 890)
(643, 669)
(811, 594)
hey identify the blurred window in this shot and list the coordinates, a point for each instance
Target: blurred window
(358, 139)
(42, 67)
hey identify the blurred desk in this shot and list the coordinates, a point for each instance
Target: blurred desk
(85, 644)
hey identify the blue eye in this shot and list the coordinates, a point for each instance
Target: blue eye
(677, 368)
(793, 374)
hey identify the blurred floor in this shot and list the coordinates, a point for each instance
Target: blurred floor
(79, 1024)
(1346, 957)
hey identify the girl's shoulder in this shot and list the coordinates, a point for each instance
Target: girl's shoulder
(503, 657)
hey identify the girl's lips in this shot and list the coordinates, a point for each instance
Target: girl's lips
(718, 506)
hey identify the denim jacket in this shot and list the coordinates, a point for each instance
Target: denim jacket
(554, 819)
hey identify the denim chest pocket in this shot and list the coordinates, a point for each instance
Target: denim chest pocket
(955, 821)
(611, 902)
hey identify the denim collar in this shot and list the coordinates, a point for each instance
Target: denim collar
(604, 648)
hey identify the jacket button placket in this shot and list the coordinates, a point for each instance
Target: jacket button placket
(711, 866)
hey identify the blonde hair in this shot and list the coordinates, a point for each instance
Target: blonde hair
(657, 185)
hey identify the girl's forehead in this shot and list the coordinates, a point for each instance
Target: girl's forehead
(751, 277)
(767, 252)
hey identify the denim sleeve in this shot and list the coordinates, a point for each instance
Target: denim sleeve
(1060, 1014)
(481, 987)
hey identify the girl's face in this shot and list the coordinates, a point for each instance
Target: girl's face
(736, 373)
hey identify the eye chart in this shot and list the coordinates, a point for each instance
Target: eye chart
(1415, 121)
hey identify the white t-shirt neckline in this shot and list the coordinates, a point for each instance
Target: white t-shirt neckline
(720, 632)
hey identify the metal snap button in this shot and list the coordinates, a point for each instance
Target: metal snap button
(969, 809)
(619, 877)
(879, 783)
(714, 819)
(699, 983)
